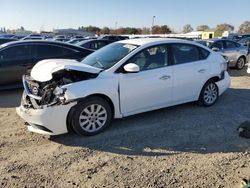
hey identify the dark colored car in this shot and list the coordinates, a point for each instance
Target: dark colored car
(114, 37)
(16, 58)
(94, 44)
(74, 41)
(5, 40)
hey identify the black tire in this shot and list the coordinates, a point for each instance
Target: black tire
(203, 100)
(240, 64)
(85, 105)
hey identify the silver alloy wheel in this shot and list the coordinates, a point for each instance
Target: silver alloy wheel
(93, 117)
(240, 63)
(210, 93)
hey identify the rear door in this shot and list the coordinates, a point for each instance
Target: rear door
(190, 71)
(231, 50)
(14, 62)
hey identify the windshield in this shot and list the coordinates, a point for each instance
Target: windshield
(109, 55)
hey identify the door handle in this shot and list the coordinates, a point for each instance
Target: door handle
(165, 77)
(201, 70)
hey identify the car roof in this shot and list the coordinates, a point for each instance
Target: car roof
(43, 42)
(215, 40)
(145, 41)
(91, 40)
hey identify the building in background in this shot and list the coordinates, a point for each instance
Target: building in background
(72, 32)
(210, 33)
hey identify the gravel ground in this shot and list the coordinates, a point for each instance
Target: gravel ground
(181, 146)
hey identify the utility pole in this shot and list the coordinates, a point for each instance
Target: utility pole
(153, 22)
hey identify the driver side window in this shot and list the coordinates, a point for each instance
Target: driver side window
(151, 58)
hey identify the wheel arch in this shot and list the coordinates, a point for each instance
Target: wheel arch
(214, 78)
(103, 96)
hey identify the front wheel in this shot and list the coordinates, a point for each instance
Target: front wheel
(91, 116)
(209, 94)
(240, 63)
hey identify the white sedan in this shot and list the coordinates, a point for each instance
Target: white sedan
(124, 78)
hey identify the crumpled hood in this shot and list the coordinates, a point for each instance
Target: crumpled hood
(44, 69)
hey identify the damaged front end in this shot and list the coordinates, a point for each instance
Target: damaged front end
(39, 94)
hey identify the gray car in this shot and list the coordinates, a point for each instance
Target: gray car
(236, 53)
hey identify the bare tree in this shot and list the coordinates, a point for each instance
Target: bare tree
(244, 27)
(187, 28)
(202, 27)
(220, 28)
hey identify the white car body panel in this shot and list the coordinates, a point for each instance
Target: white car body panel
(49, 116)
(44, 69)
(130, 93)
(104, 84)
(155, 84)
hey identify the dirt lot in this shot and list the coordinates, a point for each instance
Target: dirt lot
(183, 146)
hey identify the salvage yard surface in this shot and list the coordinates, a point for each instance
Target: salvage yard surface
(182, 146)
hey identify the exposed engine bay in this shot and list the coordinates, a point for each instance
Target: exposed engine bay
(38, 94)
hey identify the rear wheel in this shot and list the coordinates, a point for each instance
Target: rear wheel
(240, 63)
(91, 116)
(209, 94)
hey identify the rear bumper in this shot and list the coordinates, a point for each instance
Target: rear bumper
(49, 120)
(224, 84)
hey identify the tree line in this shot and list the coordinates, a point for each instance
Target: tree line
(165, 29)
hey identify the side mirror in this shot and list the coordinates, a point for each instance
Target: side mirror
(131, 68)
(215, 49)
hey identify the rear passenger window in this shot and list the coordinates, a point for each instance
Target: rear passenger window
(230, 44)
(48, 51)
(203, 53)
(218, 44)
(184, 53)
(66, 51)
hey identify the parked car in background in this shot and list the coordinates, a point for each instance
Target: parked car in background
(124, 78)
(237, 54)
(94, 44)
(237, 36)
(5, 40)
(60, 38)
(7, 35)
(245, 42)
(33, 37)
(74, 40)
(16, 58)
(114, 37)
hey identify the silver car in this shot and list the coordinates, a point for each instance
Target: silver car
(237, 54)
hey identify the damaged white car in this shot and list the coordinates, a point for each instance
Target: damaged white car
(121, 79)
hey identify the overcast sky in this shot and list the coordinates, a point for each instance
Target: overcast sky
(54, 14)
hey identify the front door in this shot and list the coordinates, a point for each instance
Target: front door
(151, 87)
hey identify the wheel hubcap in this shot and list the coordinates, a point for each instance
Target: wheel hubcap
(210, 94)
(93, 117)
(241, 63)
